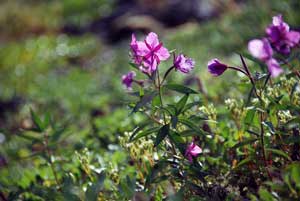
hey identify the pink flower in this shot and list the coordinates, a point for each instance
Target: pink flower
(148, 53)
(216, 68)
(128, 79)
(261, 49)
(274, 67)
(192, 150)
(280, 35)
(184, 64)
(134, 46)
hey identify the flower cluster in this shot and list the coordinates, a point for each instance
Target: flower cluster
(148, 54)
(280, 35)
(261, 49)
(281, 38)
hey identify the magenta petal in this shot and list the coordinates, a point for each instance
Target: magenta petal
(151, 65)
(273, 33)
(293, 37)
(192, 150)
(142, 49)
(163, 54)
(260, 49)
(274, 67)
(183, 64)
(196, 150)
(148, 53)
(128, 79)
(133, 43)
(277, 20)
(280, 36)
(152, 39)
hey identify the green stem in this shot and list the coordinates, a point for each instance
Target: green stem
(161, 101)
(263, 145)
(238, 69)
(160, 95)
(167, 73)
(50, 159)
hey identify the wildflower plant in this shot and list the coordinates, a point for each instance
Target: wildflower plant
(192, 154)
(174, 127)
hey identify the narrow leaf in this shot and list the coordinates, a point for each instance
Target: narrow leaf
(279, 153)
(37, 121)
(181, 103)
(243, 143)
(143, 101)
(181, 89)
(144, 133)
(162, 133)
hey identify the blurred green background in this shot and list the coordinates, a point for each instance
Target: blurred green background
(66, 58)
(57, 56)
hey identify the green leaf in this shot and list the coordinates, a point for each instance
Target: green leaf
(244, 161)
(33, 138)
(143, 101)
(191, 125)
(37, 121)
(171, 109)
(160, 179)
(190, 105)
(181, 103)
(180, 89)
(139, 128)
(156, 101)
(162, 133)
(47, 120)
(189, 133)
(253, 132)
(57, 134)
(295, 173)
(93, 190)
(279, 153)
(243, 143)
(178, 141)
(265, 195)
(133, 65)
(143, 133)
(157, 168)
(249, 116)
(127, 187)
